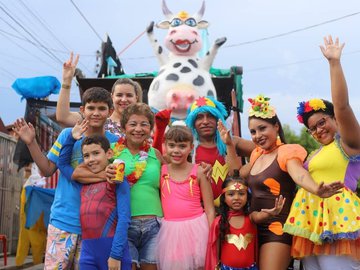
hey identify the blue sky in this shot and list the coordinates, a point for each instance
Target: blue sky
(276, 42)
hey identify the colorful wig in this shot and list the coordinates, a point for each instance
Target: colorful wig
(207, 105)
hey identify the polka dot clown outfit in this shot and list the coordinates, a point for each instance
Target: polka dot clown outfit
(326, 226)
(317, 221)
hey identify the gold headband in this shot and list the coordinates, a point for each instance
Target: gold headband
(236, 186)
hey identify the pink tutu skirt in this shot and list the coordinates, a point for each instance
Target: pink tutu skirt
(182, 244)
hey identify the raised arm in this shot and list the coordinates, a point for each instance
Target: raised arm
(232, 159)
(158, 50)
(243, 147)
(207, 195)
(63, 114)
(26, 132)
(349, 128)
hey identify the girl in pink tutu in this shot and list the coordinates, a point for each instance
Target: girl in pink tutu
(183, 235)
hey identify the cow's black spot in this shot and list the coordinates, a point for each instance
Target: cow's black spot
(156, 85)
(208, 53)
(210, 93)
(172, 77)
(177, 65)
(160, 50)
(155, 40)
(199, 81)
(185, 70)
(193, 63)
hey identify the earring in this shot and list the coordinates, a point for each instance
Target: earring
(278, 140)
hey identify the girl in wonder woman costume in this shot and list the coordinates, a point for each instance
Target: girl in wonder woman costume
(184, 230)
(232, 240)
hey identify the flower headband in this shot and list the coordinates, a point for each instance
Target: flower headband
(260, 107)
(236, 186)
(314, 104)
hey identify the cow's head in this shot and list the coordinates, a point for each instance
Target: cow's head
(183, 37)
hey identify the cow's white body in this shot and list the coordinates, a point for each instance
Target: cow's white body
(182, 77)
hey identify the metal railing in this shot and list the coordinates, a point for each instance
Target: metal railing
(10, 187)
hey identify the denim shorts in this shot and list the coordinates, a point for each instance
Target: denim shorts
(142, 236)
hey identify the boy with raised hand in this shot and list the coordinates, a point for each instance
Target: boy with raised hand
(64, 231)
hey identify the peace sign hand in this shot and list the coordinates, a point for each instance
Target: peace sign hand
(69, 68)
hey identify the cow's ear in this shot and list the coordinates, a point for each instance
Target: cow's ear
(163, 25)
(203, 24)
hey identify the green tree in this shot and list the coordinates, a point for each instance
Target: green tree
(304, 139)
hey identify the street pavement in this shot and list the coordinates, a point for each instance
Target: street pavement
(27, 264)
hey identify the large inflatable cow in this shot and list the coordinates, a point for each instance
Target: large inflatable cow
(182, 77)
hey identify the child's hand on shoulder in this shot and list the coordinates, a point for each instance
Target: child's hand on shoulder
(114, 264)
(79, 129)
(279, 204)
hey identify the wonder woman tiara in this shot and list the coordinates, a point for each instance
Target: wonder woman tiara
(236, 186)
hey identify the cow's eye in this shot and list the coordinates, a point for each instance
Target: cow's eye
(176, 22)
(191, 22)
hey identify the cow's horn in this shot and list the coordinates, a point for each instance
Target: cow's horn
(165, 9)
(200, 13)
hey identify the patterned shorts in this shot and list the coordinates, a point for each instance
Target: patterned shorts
(62, 250)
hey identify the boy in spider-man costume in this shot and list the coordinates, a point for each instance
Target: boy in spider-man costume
(64, 230)
(105, 208)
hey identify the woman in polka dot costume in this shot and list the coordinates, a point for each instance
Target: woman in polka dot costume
(327, 231)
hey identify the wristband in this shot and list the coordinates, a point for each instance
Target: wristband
(65, 86)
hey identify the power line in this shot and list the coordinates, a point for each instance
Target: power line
(33, 43)
(48, 52)
(291, 32)
(41, 21)
(7, 72)
(295, 63)
(268, 38)
(44, 24)
(30, 53)
(86, 20)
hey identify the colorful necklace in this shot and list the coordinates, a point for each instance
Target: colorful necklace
(140, 164)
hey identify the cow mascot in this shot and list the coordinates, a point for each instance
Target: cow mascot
(182, 77)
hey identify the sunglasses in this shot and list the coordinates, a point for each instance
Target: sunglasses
(319, 124)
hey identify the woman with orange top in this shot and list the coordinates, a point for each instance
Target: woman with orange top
(274, 169)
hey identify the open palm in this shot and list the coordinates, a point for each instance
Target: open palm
(25, 131)
(332, 50)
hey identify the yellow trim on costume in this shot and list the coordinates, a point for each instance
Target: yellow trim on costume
(166, 182)
(55, 152)
(57, 144)
(219, 171)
